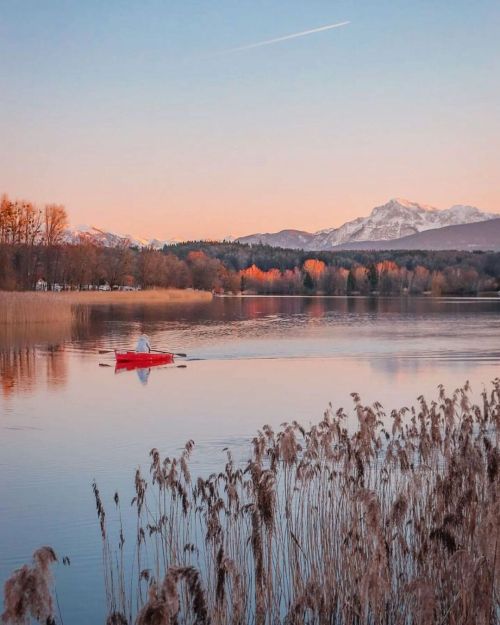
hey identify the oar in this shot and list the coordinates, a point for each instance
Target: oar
(157, 351)
(181, 355)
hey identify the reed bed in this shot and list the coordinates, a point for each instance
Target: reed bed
(148, 296)
(396, 523)
(17, 308)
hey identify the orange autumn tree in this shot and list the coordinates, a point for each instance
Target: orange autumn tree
(360, 274)
(390, 277)
(315, 268)
(420, 280)
(253, 273)
(437, 283)
(205, 271)
(255, 279)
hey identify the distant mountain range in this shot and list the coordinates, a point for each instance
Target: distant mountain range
(396, 222)
(110, 239)
(484, 235)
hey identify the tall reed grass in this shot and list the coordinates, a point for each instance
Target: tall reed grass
(24, 307)
(397, 523)
(18, 308)
(148, 296)
(394, 524)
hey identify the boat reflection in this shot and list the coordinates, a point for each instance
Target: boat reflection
(143, 372)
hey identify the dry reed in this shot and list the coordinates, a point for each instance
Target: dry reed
(148, 296)
(17, 308)
(23, 308)
(28, 592)
(397, 523)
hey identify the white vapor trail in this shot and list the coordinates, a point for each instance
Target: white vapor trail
(269, 42)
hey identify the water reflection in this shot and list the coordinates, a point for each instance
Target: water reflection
(143, 375)
(16, 367)
(267, 316)
(223, 309)
(29, 335)
(391, 333)
(142, 372)
(22, 370)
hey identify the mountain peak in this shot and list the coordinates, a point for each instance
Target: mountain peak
(397, 218)
(401, 201)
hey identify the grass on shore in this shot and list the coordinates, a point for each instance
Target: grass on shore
(148, 296)
(31, 307)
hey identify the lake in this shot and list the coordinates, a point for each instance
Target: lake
(65, 420)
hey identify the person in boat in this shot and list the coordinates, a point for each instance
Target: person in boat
(143, 345)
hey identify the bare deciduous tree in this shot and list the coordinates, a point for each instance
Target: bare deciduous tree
(56, 221)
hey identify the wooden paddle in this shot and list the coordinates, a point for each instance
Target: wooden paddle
(156, 351)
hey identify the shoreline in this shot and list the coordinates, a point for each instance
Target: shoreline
(490, 297)
(22, 307)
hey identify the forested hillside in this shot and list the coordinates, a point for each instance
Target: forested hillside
(33, 248)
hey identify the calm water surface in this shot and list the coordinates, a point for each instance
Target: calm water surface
(64, 420)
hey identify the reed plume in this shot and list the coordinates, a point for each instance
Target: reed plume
(28, 592)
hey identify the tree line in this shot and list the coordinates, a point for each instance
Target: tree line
(269, 270)
(33, 247)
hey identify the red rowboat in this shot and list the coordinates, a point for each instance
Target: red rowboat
(143, 359)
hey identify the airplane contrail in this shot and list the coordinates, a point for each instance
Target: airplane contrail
(269, 42)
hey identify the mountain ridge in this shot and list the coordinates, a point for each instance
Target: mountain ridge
(106, 238)
(396, 219)
(481, 235)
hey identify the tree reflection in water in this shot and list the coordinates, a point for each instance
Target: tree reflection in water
(21, 370)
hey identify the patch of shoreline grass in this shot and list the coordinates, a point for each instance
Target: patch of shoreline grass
(31, 307)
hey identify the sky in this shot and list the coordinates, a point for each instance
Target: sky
(162, 118)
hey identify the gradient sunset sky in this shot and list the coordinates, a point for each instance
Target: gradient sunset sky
(139, 118)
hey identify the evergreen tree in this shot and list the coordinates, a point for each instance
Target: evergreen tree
(351, 282)
(385, 283)
(308, 282)
(372, 277)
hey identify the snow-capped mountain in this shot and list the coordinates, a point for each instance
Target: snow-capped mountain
(104, 238)
(396, 219)
(393, 220)
(484, 235)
